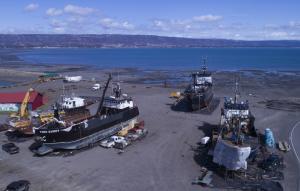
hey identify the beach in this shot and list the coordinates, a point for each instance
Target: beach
(165, 159)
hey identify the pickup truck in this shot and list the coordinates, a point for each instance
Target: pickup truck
(137, 133)
(10, 148)
(110, 142)
(121, 144)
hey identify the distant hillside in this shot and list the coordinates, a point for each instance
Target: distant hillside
(105, 40)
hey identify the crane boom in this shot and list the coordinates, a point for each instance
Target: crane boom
(103, 95)
(23, 108)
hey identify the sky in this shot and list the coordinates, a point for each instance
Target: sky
(228, 19)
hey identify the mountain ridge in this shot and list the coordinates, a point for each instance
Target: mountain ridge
(129, 41)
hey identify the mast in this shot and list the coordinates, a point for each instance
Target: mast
(236, 91)
(194, 76)
(103, 95)
(117, 90)
(204, 65)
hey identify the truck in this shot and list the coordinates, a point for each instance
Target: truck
(121, 144)
(72, 78)
(110, 142)
(96, 87)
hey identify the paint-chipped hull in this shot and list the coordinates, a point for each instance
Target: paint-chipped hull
(87, 132)
(86, 141)
(198, 101)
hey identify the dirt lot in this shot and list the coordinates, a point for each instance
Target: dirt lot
(164, 160)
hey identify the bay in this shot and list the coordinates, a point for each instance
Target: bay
(268, 59)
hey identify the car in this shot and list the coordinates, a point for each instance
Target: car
(132, 136)
(96, 87)
(20, 185)
(110, 142)
(11, 148)
(107, 143)
(121, 144)
(137, 133)
(117, 138)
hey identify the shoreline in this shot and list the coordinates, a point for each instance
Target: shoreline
(20, 68)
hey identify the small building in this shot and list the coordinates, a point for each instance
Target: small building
(11, 102)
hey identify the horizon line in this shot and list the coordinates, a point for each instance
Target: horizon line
(151, 35)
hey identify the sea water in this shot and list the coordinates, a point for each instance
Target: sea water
(268, 59)
(5, 83)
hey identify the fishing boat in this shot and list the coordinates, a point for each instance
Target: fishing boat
(236, 134)
(113, 113)
(199, 93)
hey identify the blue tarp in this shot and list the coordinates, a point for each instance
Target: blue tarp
(269, 138)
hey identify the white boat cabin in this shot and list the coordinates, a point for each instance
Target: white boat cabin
(239, 109)
(72, 102)
(200, 80)
(117, 103)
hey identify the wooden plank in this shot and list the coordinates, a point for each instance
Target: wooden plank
(287, 146)
(281, 146)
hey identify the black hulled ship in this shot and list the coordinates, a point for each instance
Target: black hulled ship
(112, 115)
(199, 93)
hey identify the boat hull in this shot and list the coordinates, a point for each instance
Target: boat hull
(91, 139)
(198, 101)
(87, 132)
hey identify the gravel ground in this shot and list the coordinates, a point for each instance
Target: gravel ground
(164, 160)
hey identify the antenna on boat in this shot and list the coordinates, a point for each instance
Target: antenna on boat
(236, 90)
(63, 94)
(117, 89)
(204, 67)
